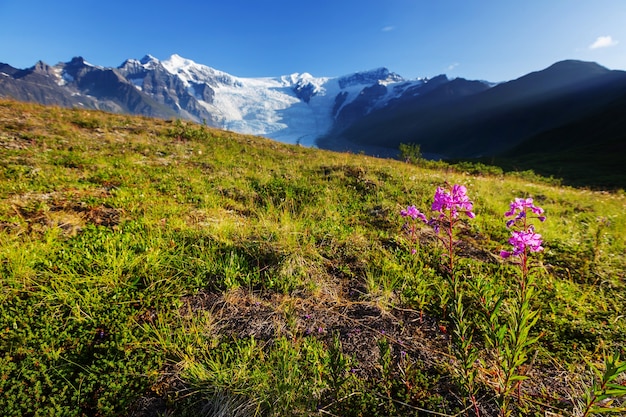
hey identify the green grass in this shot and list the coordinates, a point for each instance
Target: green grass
(151, 267)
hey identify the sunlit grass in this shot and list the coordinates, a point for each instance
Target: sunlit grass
(143, 258)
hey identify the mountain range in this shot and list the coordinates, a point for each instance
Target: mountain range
(296, 108)
(464, 119)
(371, 111)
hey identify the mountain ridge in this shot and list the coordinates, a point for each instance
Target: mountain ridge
(371, 111)
(495, 119)
(294, 108)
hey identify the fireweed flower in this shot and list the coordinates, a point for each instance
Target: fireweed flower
(518, 210)
(413, 213)
(453, 201)
(523, 236)
(516, 342)
(522, 239)
(448, 202)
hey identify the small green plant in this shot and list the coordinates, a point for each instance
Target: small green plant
(478, 168)
(411, 152)
(338, 368)
(604, 389)
(530, 175)
(185, 131)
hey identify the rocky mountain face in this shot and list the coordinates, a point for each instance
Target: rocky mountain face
(151, 78)
(78, 84)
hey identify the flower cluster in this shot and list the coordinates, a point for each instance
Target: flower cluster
(413, 213)
(518, 209)
(454, 201)
(508, 335)
(447, 204)
(522, 239)
(525, 237)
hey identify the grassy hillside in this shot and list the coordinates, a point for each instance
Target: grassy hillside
(155, 267)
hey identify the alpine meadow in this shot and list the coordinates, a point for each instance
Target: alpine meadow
(157, 267)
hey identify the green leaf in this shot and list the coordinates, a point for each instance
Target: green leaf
(617, 387)
(614, 392)
(603, 409)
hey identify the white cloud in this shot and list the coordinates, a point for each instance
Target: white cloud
(603, 42)
(453, 66)
(388, 28)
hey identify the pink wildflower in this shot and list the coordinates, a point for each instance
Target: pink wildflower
(522, 239)
(414, 213)
(519, 207)
(454, 201)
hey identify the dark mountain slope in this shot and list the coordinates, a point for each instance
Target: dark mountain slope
(588, 152)
(479, 122)
(423, 110)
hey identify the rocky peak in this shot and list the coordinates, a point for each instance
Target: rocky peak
(370, 77)
(77, 62)
(148, 59)
(76, 67)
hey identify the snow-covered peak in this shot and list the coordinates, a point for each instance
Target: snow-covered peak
(79, 61)
(148, 59)
(176, 64)
(382, 75)
(191, 72)
(305, 85)
(297, 77)
(303, 78)
(132, 65)
(177, 61)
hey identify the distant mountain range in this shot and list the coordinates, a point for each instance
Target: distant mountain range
(296, 108)
(569, 104)
(461, 118)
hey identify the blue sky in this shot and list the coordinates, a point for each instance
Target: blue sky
(481, 39)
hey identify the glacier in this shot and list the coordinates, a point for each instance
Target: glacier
(297, 108)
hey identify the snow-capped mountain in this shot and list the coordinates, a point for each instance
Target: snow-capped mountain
(295, 108)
